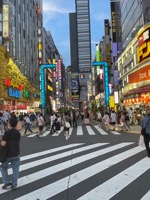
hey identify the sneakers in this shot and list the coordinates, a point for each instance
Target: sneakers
(5, 186)
(67, 137)
(14, 187)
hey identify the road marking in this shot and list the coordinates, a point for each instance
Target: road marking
(111, 187)
(35, 155)
(115, 133)
(53, 189)
(101, 130)
(146, 196)
(56, 157)
(70, 130)
(79, 130)
(32, 135)
(90, 130)
(58, 133)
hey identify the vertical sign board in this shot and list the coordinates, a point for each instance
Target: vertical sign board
(75, 87)
(42, 83)
(106, 80)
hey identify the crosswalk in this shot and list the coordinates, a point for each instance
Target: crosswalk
(102, 170)
(80, 132)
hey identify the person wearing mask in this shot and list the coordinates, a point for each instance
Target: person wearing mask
(11, 139)
(145, 123)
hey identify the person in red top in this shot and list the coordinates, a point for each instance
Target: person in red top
(11, 139)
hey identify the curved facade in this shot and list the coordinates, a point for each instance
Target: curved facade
(134, 70)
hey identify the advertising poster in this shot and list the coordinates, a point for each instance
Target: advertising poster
(75, 87)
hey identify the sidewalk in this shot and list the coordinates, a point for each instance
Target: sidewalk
(133, 129)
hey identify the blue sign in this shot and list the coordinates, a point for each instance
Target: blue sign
(106, 79)
(14, 93)
(42, 79)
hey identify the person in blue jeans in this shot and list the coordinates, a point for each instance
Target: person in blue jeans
(11, 139)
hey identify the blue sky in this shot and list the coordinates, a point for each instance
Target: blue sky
(56, 20)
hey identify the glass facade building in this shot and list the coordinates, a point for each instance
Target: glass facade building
(23, 46)
(134, 15)
(83, 35)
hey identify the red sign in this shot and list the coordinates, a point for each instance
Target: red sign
(142, 74)
(8, 83)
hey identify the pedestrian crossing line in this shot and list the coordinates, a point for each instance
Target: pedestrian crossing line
(35, 155)
(101, 130)
(58, 132)
(46, 133)
(70, 130)
(115, 133)
(146, 196)
(54, 169)
(90, 130)
(52, 189)
(56, 157)
(111, 187)
(79, 130)
(32, 135)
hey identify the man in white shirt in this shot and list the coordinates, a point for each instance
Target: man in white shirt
(130, 112)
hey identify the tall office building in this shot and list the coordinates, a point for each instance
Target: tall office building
(82, 48)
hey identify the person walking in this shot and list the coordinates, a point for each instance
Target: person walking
(66, 125)
(52, 123)
(99, 117)
(113, 119)
(40, 123)
(106, 120)
(74, 121)
(6, 116)
(130, 113)
(11, 139)
(2, 125)
(27, 123)
(145, 123)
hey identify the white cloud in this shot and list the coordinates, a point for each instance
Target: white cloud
(101, 16)
(55, 8)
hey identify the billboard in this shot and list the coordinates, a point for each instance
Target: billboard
(75, 87)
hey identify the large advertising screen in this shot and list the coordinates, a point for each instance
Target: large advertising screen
(75, 87)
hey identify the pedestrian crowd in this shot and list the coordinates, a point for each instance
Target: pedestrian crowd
(11, 124)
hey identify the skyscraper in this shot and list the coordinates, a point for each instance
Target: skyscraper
(81, 37)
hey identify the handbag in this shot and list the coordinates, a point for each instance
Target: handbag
(141, 141)
(3, 153)
(67, 124)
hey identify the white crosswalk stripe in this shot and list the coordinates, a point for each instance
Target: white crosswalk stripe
(82, 154)
(146, 196)
(79, 131)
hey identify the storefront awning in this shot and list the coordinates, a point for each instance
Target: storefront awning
(138, 90)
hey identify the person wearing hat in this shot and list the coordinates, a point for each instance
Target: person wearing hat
(145, 123)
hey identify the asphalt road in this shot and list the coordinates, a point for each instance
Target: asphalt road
(92, 165)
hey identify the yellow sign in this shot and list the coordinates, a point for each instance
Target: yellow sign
(143, 52)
